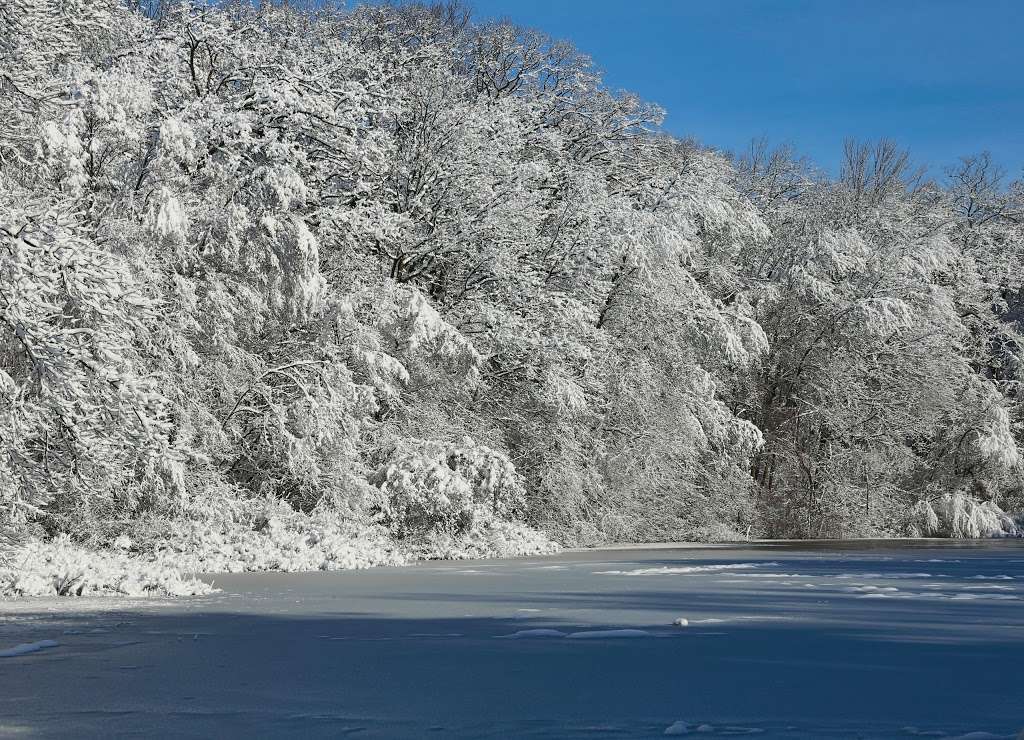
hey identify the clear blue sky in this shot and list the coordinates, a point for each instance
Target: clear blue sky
(943, 78)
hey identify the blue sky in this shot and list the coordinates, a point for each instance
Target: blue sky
(942, 78)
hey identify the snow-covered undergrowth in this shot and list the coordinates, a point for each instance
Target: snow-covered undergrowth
(262, 535)
(266, 535)
(270, 535)
(488, 537)
(61, 568)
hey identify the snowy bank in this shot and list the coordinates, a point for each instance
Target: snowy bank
(164, 556)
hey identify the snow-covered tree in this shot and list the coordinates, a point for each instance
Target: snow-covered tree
(389, 265)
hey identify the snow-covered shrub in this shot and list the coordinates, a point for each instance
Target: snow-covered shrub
(61, 568)
(428, 485)
(718, 532)
(961, 516)
(265, 534)
(487, 537)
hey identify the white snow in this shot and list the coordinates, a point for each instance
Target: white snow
(28, 647)
(681, 622)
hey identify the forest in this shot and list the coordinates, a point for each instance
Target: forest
(319, 287)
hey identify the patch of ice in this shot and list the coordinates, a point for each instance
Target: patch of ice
(680, 569)
(994, 597)
(28, 647)
(680, 621)
(601, 634)
(533, 633)
(992, 578)
(677, 728)
(862, 576)
(953, 596)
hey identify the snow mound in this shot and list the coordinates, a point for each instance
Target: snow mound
(677, 728)
(681, 622)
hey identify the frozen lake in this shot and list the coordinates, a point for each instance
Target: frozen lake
(783, 640)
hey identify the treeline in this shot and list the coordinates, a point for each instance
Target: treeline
(403, 268)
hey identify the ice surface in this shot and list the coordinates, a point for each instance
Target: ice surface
(405, 650)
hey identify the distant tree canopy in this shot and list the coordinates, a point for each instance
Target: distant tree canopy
(412, 269)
